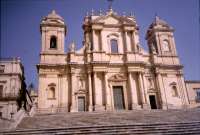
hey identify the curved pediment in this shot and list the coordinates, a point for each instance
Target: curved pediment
(117, 77)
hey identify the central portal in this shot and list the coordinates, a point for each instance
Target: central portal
(152, 99)
(118, 97)
(81, 104)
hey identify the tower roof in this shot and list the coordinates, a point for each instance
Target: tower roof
(53, 18)
(158, 22)
(54, 15)
(158, 25)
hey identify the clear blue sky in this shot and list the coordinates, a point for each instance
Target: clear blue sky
(20, 19)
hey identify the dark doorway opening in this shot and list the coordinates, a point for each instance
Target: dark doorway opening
(152, 99)
(81, 104)
(118, 98)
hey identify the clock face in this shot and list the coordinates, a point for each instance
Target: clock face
(165, 45)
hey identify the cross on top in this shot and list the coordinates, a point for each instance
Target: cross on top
(110, 3)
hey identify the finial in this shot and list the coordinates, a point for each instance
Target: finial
(110, 5)
(131, 14)
(92, 12)
(100, 12)
(124, 13)
(87, 14)
(53, 12)
(156, 17)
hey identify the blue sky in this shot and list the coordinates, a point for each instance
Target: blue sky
(20, 34)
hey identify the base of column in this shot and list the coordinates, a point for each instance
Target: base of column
(164, 107)
(108, 108)
(73, 109)
(146, 106)
(90, 108)
(99, 108)
(136, 107)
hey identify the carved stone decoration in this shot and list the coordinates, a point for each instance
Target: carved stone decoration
(72, 47)
(153, 49)
(117, 77)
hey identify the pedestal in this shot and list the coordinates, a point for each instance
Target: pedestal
(99, 108)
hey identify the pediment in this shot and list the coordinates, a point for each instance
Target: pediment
(113, 19)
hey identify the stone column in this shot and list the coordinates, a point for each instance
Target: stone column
(186, 99)
(90, 92)
(134, 94)
(126, 40)
(73, 87)
(98, 95)
(94, 41)
(145, 104)
(108, 93)
(101, 41)
(135, 41)
(141, 88)
(162, 92)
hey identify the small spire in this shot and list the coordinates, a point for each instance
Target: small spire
(92, 12)
(156, 17)
(87, 14)
(100, 12)
(124, 13)
(110, 5)
(53, 12)
(131, 14)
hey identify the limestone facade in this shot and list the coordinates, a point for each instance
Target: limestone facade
(193, 89)
(11, 77)
(111, 71)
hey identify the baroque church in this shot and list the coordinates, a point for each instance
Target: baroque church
(111, 71)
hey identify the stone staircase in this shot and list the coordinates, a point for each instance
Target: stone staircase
(122, 122)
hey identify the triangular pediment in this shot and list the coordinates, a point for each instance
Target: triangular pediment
(113, 19)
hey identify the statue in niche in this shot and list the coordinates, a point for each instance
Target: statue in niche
(87, 45)
(150, 83)
(72, 47)
(138, 47)
(153, 48)
(80, 83)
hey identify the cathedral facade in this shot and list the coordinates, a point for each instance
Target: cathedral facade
(111, 71)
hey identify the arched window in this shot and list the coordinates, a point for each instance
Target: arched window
(174, 91)
(53, 42)
(51, 93)
(165, 46)
(114, 46)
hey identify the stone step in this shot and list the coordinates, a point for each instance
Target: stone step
(182, 128)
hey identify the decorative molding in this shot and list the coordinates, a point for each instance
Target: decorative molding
(117, 78)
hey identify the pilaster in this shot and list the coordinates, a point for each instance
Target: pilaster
(98, 95)
(108, 93)
(162, 92)
(73, 107)
(134, 93)
(90, 93)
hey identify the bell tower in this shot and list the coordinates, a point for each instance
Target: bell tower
(161, 42)
(53, 31)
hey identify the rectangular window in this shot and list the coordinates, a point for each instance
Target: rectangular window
(114, 46)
